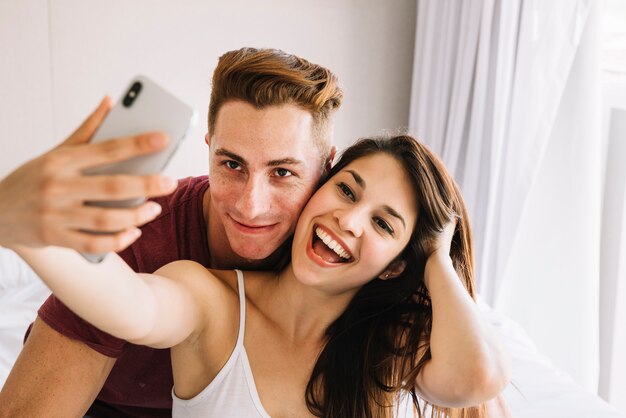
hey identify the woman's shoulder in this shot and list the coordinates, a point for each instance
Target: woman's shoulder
(201, 280)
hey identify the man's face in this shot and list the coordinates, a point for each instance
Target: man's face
(264, 166)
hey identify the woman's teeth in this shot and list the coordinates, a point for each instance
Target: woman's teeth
(332, 244)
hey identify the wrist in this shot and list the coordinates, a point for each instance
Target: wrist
(438, 266)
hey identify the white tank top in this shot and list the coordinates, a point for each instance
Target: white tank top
(232, 394)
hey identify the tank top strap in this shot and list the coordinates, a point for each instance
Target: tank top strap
(242, 308)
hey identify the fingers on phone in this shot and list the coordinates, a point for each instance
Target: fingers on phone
(89, 126)
(112, 220)
(100, 244)
(119, 187)
(117, 149)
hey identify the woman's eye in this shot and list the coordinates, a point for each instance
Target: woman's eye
(382, 224)
(346, 190)
(283, 172)
(233, 165)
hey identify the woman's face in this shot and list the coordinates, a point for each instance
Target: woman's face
(355, 225)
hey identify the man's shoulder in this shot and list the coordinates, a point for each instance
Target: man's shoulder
(188, 189)
(179, 232)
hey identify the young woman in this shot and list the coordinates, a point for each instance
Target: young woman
(375, 304)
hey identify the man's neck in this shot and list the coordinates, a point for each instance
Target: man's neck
(222, 257)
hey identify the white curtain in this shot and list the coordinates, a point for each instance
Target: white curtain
(488, 78)
(507, 92)
(552, 280)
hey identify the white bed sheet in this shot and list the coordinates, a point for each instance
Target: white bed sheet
(538, 388)
(21, 294)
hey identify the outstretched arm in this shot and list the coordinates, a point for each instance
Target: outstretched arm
(159, 310)
(469, 364)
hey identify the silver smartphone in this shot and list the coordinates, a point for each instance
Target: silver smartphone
(144, 107)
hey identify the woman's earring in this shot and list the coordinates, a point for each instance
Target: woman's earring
(387, 275)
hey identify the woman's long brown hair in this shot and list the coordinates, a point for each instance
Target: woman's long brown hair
(375, 350)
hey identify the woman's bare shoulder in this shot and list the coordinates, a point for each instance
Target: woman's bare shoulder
(201, 280)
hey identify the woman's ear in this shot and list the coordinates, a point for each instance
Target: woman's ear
(393, 270)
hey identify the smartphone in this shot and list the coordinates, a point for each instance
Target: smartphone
(144, 107)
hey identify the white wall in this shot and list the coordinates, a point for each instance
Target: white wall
(59, 58)
(612, 385)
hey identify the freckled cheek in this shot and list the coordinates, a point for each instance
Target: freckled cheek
(224, 191)
(291, 205)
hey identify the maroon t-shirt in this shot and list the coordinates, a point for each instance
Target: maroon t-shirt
(140, 384)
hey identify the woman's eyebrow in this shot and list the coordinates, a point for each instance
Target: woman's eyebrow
(391, 211)
(359, 180)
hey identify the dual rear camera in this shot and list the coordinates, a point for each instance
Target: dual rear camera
(132, 94)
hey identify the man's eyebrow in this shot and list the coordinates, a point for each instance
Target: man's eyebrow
(394, 213)
(391, 211)
(285, 161)
(273, 163)
(225, 153)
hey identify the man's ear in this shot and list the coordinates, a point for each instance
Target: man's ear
(329, 160)
(207, 139)
(393, 270)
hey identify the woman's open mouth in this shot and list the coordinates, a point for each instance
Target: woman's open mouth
(327, 248)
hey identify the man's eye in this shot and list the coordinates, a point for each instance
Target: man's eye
(346, 190)
(283, 172)
(382, 224)
(233, 165)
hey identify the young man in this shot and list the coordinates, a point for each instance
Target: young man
(269, 137)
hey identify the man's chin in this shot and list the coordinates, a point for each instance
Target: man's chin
(257, 252)
(254, 256)
(264, 255)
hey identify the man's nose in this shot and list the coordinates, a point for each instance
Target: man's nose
(255, 199)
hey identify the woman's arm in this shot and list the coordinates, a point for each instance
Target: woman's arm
(159, 310)
(469, 364)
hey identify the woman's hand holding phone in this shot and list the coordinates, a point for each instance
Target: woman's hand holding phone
(145, 106)
(42, 202)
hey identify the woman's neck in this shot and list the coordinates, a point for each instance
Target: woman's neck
(302, 313)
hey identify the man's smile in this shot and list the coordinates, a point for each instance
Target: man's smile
(251, 228)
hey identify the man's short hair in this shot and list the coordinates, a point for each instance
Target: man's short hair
(268, 77)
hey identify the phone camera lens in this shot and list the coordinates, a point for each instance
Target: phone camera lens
(132, 94)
